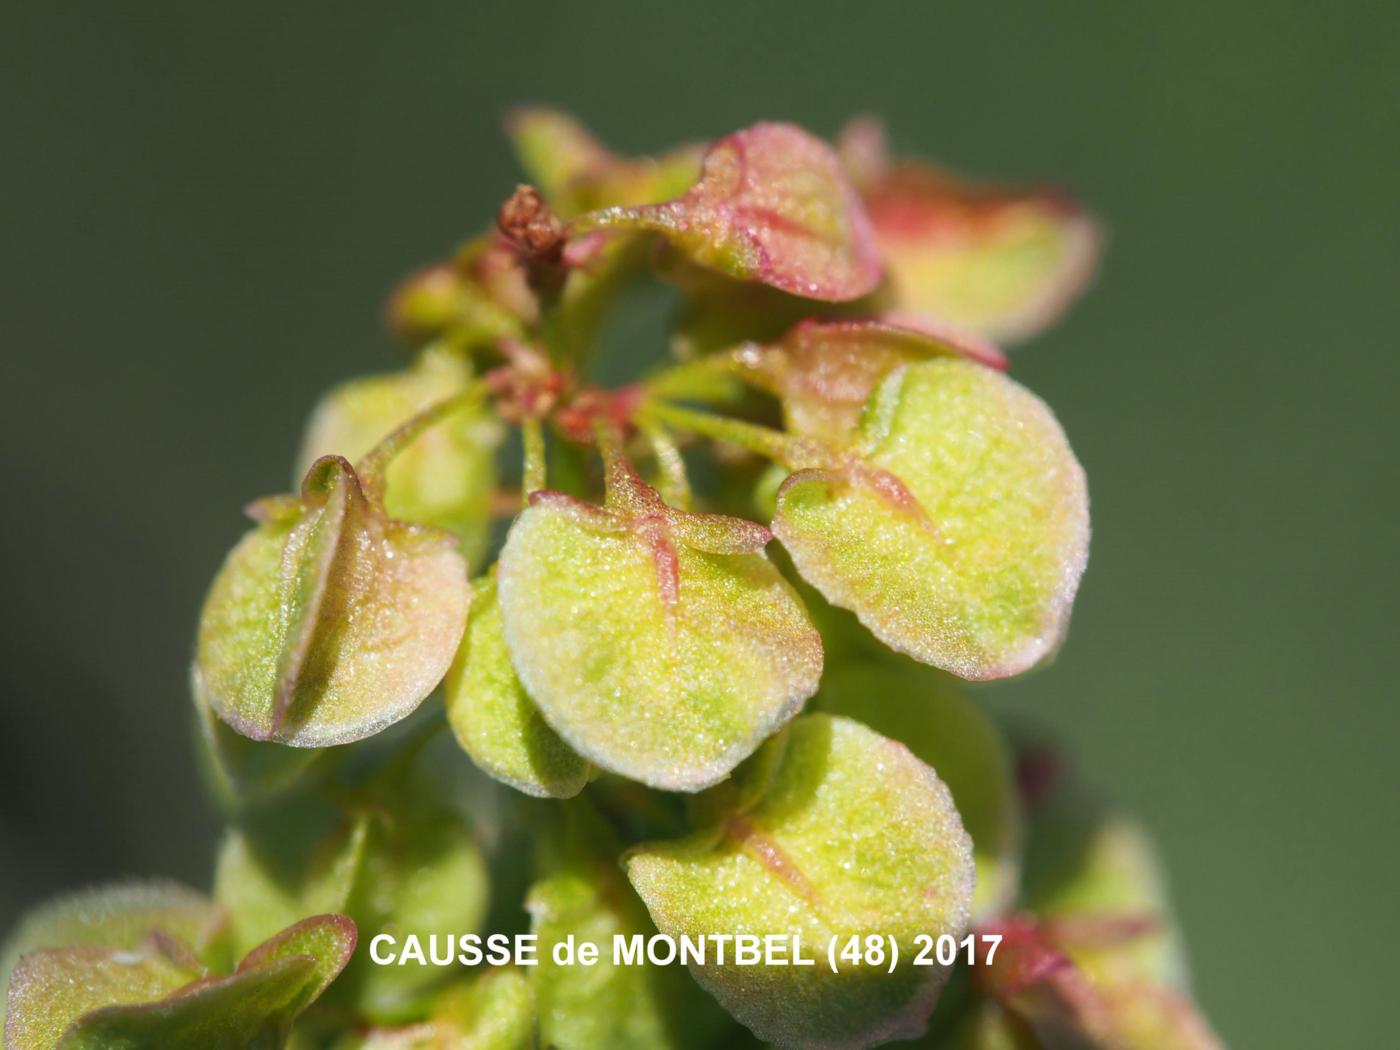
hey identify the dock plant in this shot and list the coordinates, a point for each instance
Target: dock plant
(529, 650)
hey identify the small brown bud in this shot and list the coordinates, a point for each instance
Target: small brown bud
(527, 222)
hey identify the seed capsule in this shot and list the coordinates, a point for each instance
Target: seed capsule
(329, 621)
(958, 526)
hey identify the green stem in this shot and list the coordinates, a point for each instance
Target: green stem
(675, 484)
(375, 462)
(619, 477)
(534, 476)
(712, 378)
(792, 452)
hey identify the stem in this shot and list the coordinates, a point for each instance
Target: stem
(675, 484)
(712, 378)
(792, 452)
(535, 473)
(619, 477)
(375, 462)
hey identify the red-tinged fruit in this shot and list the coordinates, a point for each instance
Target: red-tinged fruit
(773, 206)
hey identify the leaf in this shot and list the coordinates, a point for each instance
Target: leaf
(719, 313)
(853, 836)
(120, 916)
(922, 708)
(986, 1026)
(446, 476)
(244, 772)
(1000, 261)
(1068, 1009)
(493, 1010)
(329, 621)
(493, 717)
(660, 645)
(423, 874)
(578, 174)
(1117, 885)
(399, 860)
(1094, 879)
(825, 371)
(773, 206)
(253, 1007)
(301, 859)
(92, 997)
(1045, 991)
(327, 940)
(957, 530)
(51, 988)
(583, 896)
(471, 301)
(1156, 1018)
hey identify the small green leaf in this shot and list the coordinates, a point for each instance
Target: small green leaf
(471, 301)
(445, 477)
(51, 988)
(825, 371)
(986, 1026)
(1116, 884)
(660, 645)
(121, 916)
(93, 997)
(1068, 1008)
(578, 173)
(853, 836)
(583, 896)
(400, 860)
(1147, 1017)
(244, 772)
(493, 717)
(495, 1010)
(423, 874)
(254, 1007)
(1000, 261)
(299, 860)
(958, 528)
(329, 621)
(923, 709)
(327, 940)
(492, 1010)
(773, 206)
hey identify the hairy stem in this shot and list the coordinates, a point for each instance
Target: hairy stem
(674, 482)
(375, 462)
(534, 476)
(792, 452)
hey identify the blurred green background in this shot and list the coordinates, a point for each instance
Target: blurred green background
(203, 206)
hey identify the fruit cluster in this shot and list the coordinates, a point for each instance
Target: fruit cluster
(726, 705)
